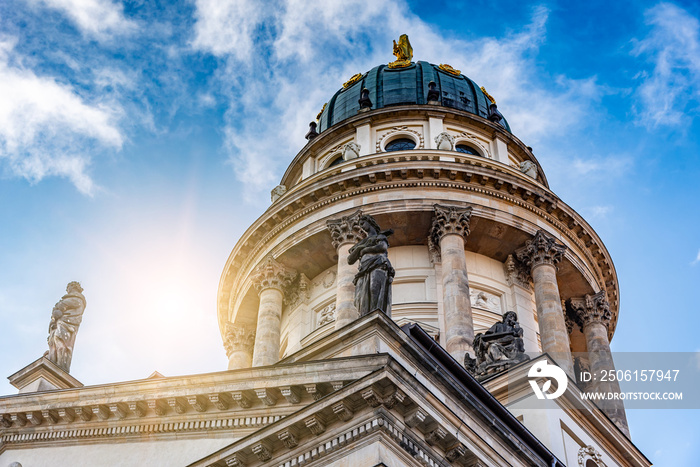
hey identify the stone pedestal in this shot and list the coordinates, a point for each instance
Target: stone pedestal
(42, 375)
(239, 342)
(449, 230)
(592, 314)
(345, 232)
(271, 279)
(541, 255)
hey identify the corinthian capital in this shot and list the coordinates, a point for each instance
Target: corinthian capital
(449, 220)
(238, 337)
(591, 309)
(346, 229)
(271, 274)
(541, 249)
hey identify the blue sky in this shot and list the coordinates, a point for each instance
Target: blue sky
(139, 139)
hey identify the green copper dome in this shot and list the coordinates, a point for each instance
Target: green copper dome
(406, 86)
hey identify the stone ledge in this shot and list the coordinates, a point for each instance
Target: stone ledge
(42, 375)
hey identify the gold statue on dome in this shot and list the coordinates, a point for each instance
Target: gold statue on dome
(448, 68)
(488, 96)
(403, 52)
(353, 79)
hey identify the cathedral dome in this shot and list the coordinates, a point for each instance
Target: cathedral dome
(419, 83)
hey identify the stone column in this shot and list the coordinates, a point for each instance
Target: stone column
(271, 278)
(239, 341)
(592, 314)
(450, 230)
(541, 255)
(518, 278)
(345, 232)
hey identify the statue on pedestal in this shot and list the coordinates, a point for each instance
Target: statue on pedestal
(66, 317)
(374, 278)
(498, 348)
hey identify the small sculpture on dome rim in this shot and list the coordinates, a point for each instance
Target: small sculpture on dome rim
(66, 317)
(403, 52)
(449, 69)
(375, 275)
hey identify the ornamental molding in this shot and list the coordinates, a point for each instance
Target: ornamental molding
(516, 273)
(272, 275)
(541, 249)
(400, 131)
(346, 229)
(590, 309)
(449, 220)
(238, 338)
(587, 453)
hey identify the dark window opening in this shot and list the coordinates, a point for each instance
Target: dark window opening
(401, 144)
(463, 148)
(336, 161)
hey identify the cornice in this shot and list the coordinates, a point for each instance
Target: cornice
(232, 400)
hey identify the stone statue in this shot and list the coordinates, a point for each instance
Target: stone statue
(66, 317)
(529, 168)
(374, 278)
(498, 348)
(403, 52)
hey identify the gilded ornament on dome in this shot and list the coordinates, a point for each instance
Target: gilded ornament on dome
(488, 96)
(448, 69)
(318, 117)
(353, 79)
(403, 52)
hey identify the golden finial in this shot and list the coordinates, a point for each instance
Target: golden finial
(403, 52)
(353, 79)
(488, 96)
(448, 68)
(322, 109)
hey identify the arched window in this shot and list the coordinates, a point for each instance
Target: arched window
(336, 161)
(401, 144)
(467, 149)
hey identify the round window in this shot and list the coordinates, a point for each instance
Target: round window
(466, 149)
(401, 144)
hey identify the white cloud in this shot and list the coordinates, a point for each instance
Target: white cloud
(672, 87)
(697, 259)
(283, 63)
(600, 211)
(46, 128)
(101, 19)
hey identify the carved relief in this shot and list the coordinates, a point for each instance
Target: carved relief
(445, 141)
(326, 315)
(329, 279)
(271, 274)
(587, 453)
(238, 338)
(346, 229)
(590, 309)
(541, 249)
(298, 292)
(485, 301)
(449, 220)
(401, 130)
(350, 151)
(277, 192)
(529, 168)
(516, 273)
